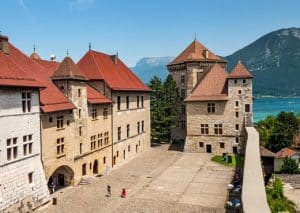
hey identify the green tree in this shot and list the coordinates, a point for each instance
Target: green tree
(290, 166)
(265, 128)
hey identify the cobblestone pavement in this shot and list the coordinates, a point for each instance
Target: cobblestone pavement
(158, 180)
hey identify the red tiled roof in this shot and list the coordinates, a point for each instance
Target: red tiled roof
(50, 66)
(264, 152)
(213, 86)
(195, 52)
(285, 152)
(68, 70)
(96, 97)
(240, 71)
(51, 98)
(11, 74)
(100, 66)
(34, 55)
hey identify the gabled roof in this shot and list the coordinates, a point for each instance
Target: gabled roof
(51, 98)
(213, 86)
(68, 70)
(96, 97)
(11, 74)
(285, 152)
(100, 66)
(240, 71)
(264, 152)
(195, 52)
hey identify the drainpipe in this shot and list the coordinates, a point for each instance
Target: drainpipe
(112, 136)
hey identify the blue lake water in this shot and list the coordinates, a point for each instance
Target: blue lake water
(263, 107)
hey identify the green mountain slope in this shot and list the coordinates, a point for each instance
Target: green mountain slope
(274, 61)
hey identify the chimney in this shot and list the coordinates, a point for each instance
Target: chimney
(206, 53)
(115, 58)
(4, 44)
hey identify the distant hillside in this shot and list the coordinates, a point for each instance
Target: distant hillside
(146, 68)
(274, 61)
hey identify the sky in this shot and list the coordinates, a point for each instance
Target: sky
(141, 28)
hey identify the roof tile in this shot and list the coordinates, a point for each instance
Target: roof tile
(240, 71)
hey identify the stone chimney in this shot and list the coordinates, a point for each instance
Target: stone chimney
(4, 44)
(115, 58)
(206, 53)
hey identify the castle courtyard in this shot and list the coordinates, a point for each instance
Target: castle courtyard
(159, 180)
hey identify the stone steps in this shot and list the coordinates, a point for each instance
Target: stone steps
(87, 180)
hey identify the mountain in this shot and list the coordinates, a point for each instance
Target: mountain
(274, 61)
(146, 68)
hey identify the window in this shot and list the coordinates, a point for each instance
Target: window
(222, 145)
(104, 160)
(128, 130)
(182, 124)
(237, 127)
(182, 79)
(143, 126)
(236, 103)
(12, 148)
(79, 113)
(138, 101)
(94, 113)
(60, 146)
(247, 107)
(240, 91)
(201, 144)
(68, 122)
(182, 92)
(27, 144)
(138, 127)
(119, 133)
(211, 107)
(30, 177)
(79, 92)
(26, 101)
(117, 153)
(60, 122)
(237, 140)
(93, 142)
(106, 137)
(183, 109)
(142, 101)
(119, 102)
(244, 81)
(139, 143)
(100, 140)
(235, 81)
(204, 129)
(80, 130)
(105, 113)
(127, 102)
(50, 119)
(218, 129)
(80, 148)
(236, 114)
(128, 148)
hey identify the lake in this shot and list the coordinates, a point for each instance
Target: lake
(263, 107)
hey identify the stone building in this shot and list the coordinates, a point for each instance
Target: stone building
(22, 181)
(216, 105)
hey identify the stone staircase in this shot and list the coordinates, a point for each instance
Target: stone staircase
(87, 180)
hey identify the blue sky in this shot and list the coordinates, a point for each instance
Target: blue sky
(141, 28)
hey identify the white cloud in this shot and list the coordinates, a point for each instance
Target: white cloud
(81, 4)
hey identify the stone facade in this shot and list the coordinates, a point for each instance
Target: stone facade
(225, 126)
(22, 181)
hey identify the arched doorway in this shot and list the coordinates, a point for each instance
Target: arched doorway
(61, 177)
(95, 167)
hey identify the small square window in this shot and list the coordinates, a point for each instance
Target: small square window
(201, 144)
(30, 177)
(50, 119)
(237, 140)
(244, 81)
(236, 114)
(222, 145)
(235, 81)
(240, 91)
(237, 127)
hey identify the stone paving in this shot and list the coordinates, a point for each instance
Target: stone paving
(158, 180)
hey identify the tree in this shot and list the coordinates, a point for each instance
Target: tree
(165, 106)
(290, 166)
(265, 128)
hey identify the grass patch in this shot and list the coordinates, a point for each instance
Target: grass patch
(276, 199)
(219, 159)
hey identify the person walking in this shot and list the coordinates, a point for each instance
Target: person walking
(123, 194)
(108, 190)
